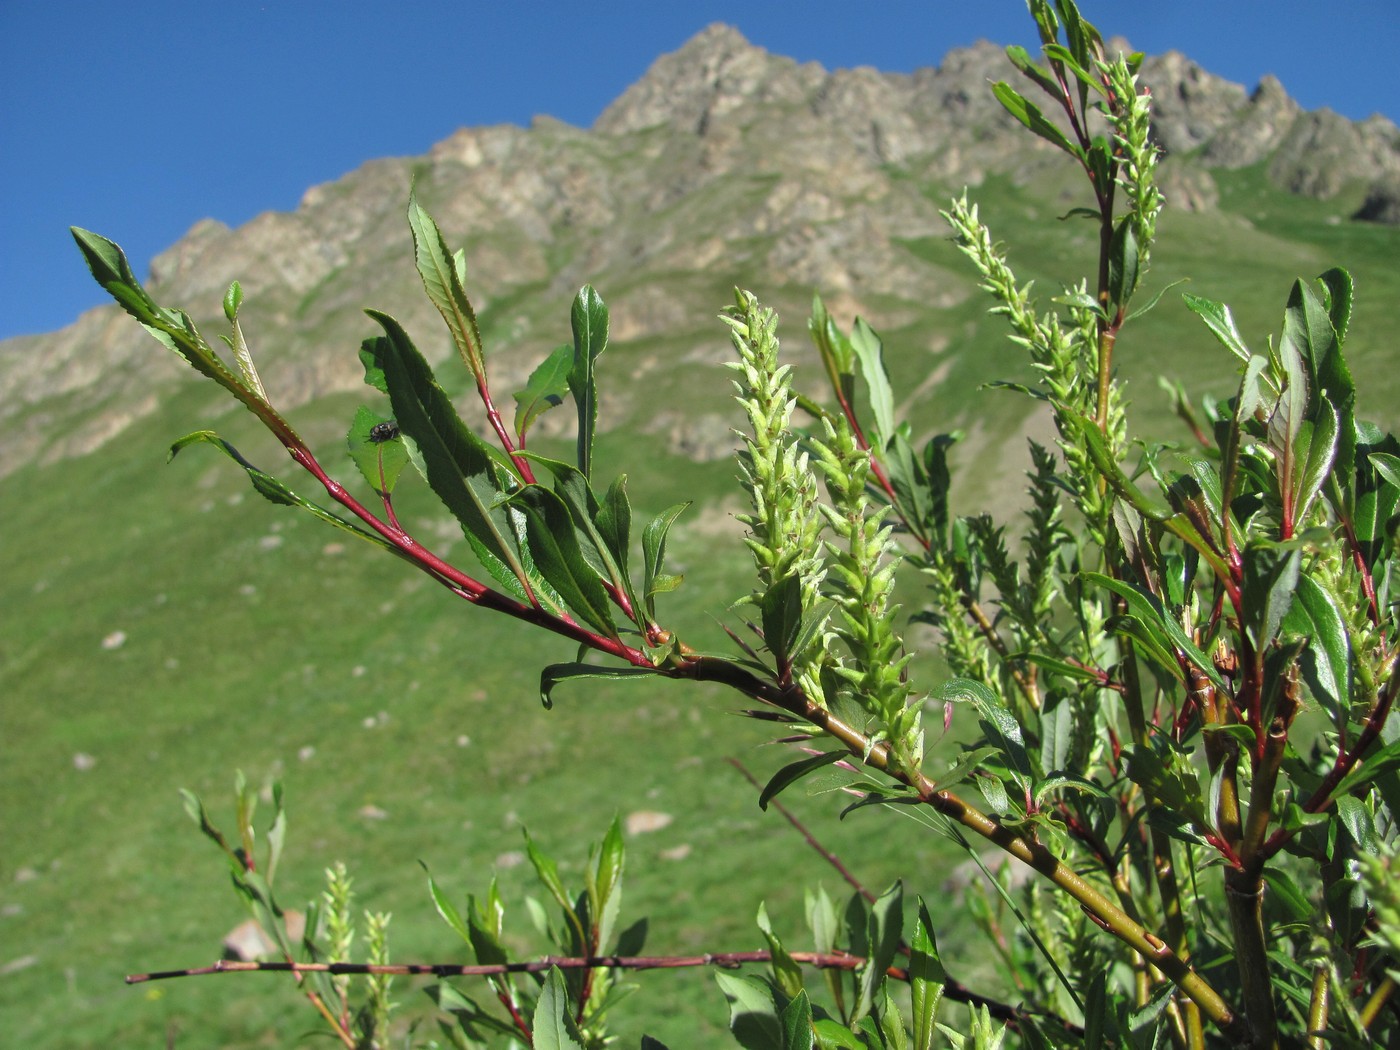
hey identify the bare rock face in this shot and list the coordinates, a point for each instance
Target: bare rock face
(1382, 204)
(1189, 105)
(1322, 153)
(1255, 130)
(723, 163)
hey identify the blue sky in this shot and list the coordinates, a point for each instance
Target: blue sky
(137, 119)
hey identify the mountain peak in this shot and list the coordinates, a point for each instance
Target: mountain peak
(714, 72)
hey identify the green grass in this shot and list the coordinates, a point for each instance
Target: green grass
(249, 638)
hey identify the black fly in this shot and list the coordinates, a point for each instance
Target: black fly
(382, 432)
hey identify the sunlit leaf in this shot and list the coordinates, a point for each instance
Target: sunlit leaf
(589, 318)
(546, 388)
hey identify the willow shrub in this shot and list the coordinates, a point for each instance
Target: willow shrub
(1209, 872)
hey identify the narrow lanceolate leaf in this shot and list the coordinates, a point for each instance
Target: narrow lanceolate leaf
(1022, 60)
(886, 925)
(870, 351)
(173, 329)
(1220, 321)
(602, 528)
(838, 358)
(444, 287)
(654, 580)
(1326, 663)
(274, 491)
(553, 1025)
(787, 975)
(554, 546)
(1029, 114)
(446, 908)
(233, 299)
(547, 387)
(589, 319)
(455, 462)
(927, 979)
(552, 675)
(607, 882)
(781, 608)
(1340, 290)
(1123, 264)
(1103, 457)
(1148, 608)
(795, 771)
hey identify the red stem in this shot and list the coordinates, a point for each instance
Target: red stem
(503, 433)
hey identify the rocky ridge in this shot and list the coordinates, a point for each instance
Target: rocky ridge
(724, 161)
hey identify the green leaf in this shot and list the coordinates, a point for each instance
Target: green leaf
(1056, 736)
(552, 675)
(654, 581)
(468, 1014)
(548, 874)
(753, 1012)
(589, 319)
(274, 491)
(781, 608)
(545, 389)
(557, 556)
(1387, 466)
(797, 1022)
(1175, 786)
(1029, 114)
(1284, 891)
(443, 284)
(602, 530)
(233, 299)
(1147, 608)
(484, 927)
(1022, 60)
(870, 351)
(1357, 820)
(613, 520)
(1314, 456)
(1087, 431)
(380, 459)
(1374, 765)
(1326, 663)
(607, 882)
(1055, 781)
(838, 357)
(1096, 1017)
(787, 975)
(998, 724)
(1220, 321)
(927, 979)
(833, 1035)
(553, 1026)
(446, 908)
(1270, 580)
(886, 927)
(1123, 268)
(455, 462)
(970, 761)
(795, 771)
(173, 329)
